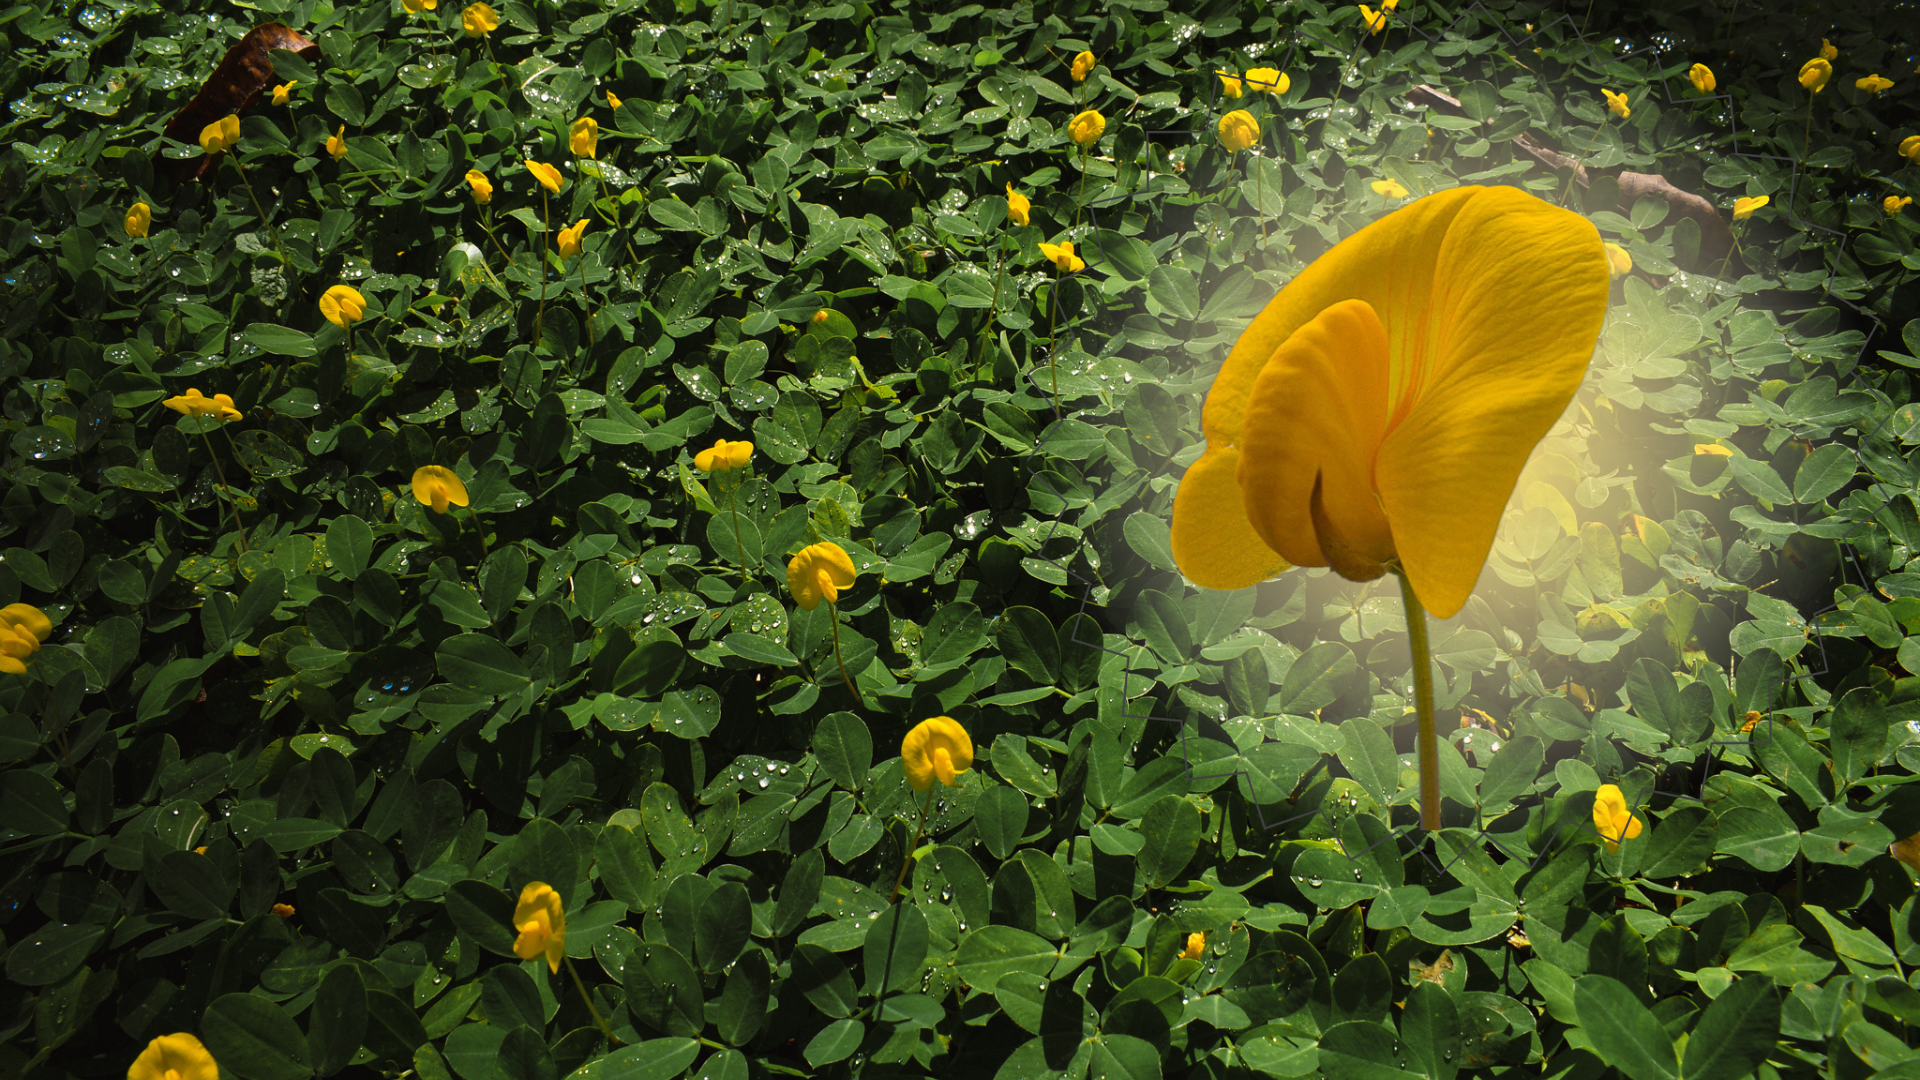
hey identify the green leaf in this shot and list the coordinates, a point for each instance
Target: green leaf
(1028, 641)
(1361, 1050)
(52, 953)
(280, 340)
(1367, 752)
(1624, 1032)
(338, 1020)
(1172, 829)
(896, 946)
(1824, 472)
(844, 746)
(255, 1039)
(1735, 1034)
(349, 545)
(191, 885)
(479, 662)
(1681, 843)
(32, 803)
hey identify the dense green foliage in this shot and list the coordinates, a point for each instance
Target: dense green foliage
(276, 678)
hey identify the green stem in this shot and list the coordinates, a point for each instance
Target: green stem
(740, 547)
(1426, 742)
(901, 881)
(478, 529)
(264, 223)
(546, 222)
(1568, 190)
(597, 1018)
(834, 614)
(240, 531)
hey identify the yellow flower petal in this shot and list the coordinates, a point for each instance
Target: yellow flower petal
(479, 20)
(569, 239)
(937, 749)
(1213, 542)
(221, 135)
(542, 924)
(438, 487)
(583, 138)
(548, 176)
(1082, 66)
(1701, 76)
(179, 1056)
(343, 305)
(1618, 261)
(1392, 189)
(1087, 127)
(1239, 130)
(139, 220)
(1893, 204)
(1743, 208)
(482, 187)
(1019, 207)
(820, 572)
(1268, 80)
(1815, 73)
(27, 619)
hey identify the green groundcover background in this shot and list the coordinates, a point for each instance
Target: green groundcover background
(276, 679)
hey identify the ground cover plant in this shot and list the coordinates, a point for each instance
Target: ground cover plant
(632, 540)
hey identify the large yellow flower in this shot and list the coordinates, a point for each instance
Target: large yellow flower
(1617, 104)
(482, 187)
(415, 7)
(343, 305)
(179, 1056)
(726, 456)
(820, 572)
(542, 924)
(583, 138)
(221, 135)
(1062, 256)
(1019, 207)
(936, 749)
(1087, 128)
(139, 220)
(1743, 208)
(1701, 76)
(1815, 73)
(570, 239)
(1873, 84)
(22, 628)
(548, 176)
(1611, 818)
(1381, 407)
(191, 403)
(1082, 66)
(479, 20)
(1268, 80)
(438, 487)
(1239, 130)
(1196, 947)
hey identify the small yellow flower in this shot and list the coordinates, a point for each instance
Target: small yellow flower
(337, 144)
(1893, 204)
(284, 92)
(1619, 263)
(1392, 189)
(818, 318)
(1087, 128)
(613, 100)
(570, 239)
(415, 7)
(221, 135)
(179, 1056)
(1910, 148)
(1019, 207)
(1702, 78)
(479, 20)
(285, 911)
(1827, 51)
(1873, 84)
(1617, 104)
(542, 924)
(1230, 84)
(342, 305)
(1196, 947)
(191, 403)
(1815, 73)
(548, 176)
(584, 137)
(1268, 80)
(1239, 130)
(482, 187)
(1612, 818)
(1062, 256)
(437, 486)
(936, 749)
(1082, 66)
(1375, 21)
(820, 572)
(1743, 208)
(139, 220)
(726, 456)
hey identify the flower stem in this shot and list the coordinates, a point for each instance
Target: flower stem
(268, 226)
(546, 222)
(907, 864)
(240, 531)
(1425, 741)
(740, 547)
(834, 614)
(597, 1018)
(478, 529)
